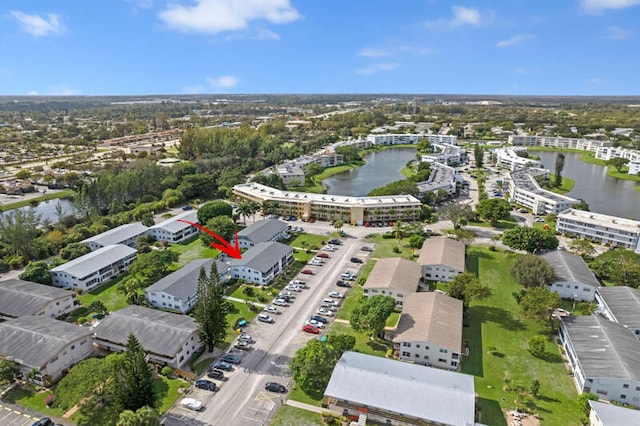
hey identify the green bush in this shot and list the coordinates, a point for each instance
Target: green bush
(166, 371)
(82, 320)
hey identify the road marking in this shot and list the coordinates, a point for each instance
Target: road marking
(265, 397)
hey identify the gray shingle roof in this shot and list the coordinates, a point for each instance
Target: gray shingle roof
(262, 256)
(443, 251)
(623, 303)
(19, 298)
(182, 283)
(34, 340)
(603, 348)
(414, 390)
(569, 267)
(117, 235)
(395, 273)
(172, 224)
(159, 332)
(263, 230)
(91, 262)
(611, 415)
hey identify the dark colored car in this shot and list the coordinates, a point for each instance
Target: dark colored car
(221, 365)
(45, 421)
(323, 255)
(215, 374)
(356, 260)
(319, 319)
(366, 248)
(275, 387)
(307, 272)
(341, 283)
(206, 385)
(335, 241)
(233, 359)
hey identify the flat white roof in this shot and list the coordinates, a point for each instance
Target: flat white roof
(601, 220)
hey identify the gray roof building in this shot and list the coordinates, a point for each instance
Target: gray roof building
(394, 273)
(262, 256)
(414, 391)
(19, 298)
(34, 340)
(117, 235)
(443, 251)
(182, 283)
(96, 260)
(263, 231)
(602, 347)
(612, 415)
(569, 267)
(621, 304)
(159, 332)
(174, 225)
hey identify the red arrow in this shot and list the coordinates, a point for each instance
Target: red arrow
(233, 251)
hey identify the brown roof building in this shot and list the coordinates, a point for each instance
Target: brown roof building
(393, 277)
(430, 330)
(442, 258)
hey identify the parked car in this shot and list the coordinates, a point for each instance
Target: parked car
(323, 255)
(222, 365)
(293, 287)
(366, 248)
(280, 302)
(307, 272)
(245, 337)
(523, 211)
(325, 312)
(231, 358)
(297, 282)
(214, 373)
(275, 387)
(311, 329)
(272, 310)
(265, 318)
(45, 421)
(206, 385)
(318, 319)
(341, 283)
(242, 346)
(314, 323)
(327, 305)
(316, 262)
(356, 260)
(331, 302)
(336, 241)
(192, 404)
(336, 294)
(285, 295)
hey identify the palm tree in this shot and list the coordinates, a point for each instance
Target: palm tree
(245, 209)
(397, 229)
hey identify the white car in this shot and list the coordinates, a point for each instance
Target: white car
(192, 404)
(280, 302)
(245, 337)
(297, 282)
(315, 323)
(336, 295)
(325, 312)
(265, 318)
(315, 262)
(272, 310)
(329, 248)
(293, 287)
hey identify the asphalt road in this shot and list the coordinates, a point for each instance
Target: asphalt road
(242, 399)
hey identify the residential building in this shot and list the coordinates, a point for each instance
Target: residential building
(634, 167)
(178, 291)
(410, 138)
(558, 142)
(603, 356)
(524, 190)
(509, 158)
(451, 155)
(261, 263)
(22, 298)
(263, 231)
(173, 230)
(44, 345)
(605, 414)
(620, 304)
(610, 230)
(607, 153)
(441, 258)
(92, 269)
(291, 173)
(574, 280)
(167, 338)
(355, 143)
(395, 277)
(126, 235)
(386, 391)
(429, 331)
(350, 209)
(442, 177)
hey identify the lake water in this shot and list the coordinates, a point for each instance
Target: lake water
(47, 209)
(382, 167)
(603, 193)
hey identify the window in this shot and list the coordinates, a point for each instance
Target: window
(444, 351)
(406, 344)
(417, 355)
(405, 353)
(73, 347)
(625, 386)
(623, 396)
(417, 345)
(442, 360)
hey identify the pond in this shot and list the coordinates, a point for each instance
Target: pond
(382, 168)
(47, 209)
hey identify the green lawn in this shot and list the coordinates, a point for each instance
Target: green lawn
(267, 293)
(297, 394)
(393, 319)
(385, 246)
(192, 250)
(292, 416)
(611, 171)
(240, 310)
(363, 343)
(310, 241)
(30, 397)
(350, 302)
(107, 294)
(167, 390)
(496, 321)
(566, 186)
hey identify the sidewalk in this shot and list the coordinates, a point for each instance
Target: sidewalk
(236, 299)
(304, 406)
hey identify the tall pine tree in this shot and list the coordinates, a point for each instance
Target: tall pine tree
(211, 309)
(133, 378)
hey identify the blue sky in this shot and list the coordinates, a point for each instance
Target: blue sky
(121, 47)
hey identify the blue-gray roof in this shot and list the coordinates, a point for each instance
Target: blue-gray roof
(611, 415)
(33, 340)
(172, 224)
(624, 304)
(263, 230)
(19, 298)
(91, 262)
(118, 235)
(262, 256)
(421, 392)
(569, 267)
(182, 283)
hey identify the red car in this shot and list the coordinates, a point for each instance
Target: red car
(307, 272)
(311, 329)
(323, 255)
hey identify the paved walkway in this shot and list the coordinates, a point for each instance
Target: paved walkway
(237, 299)
(341, 321)
(304, 406)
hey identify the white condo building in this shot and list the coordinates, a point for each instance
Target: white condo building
(605, 229)
(607, 153)
(524, 190)
(445, 153)
(442, 177)
(410, 138)
(558, 142)
(509, 158)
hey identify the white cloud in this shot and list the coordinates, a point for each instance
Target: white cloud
(37, 25)
(597, 6)
(193, 90)
(417, 51)
(513, 40)
(617, 33)
(374, 68)
(461, 16)
(396, 50)
(373, 53)
(216, 16)
(258, 34)
(223, 82)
